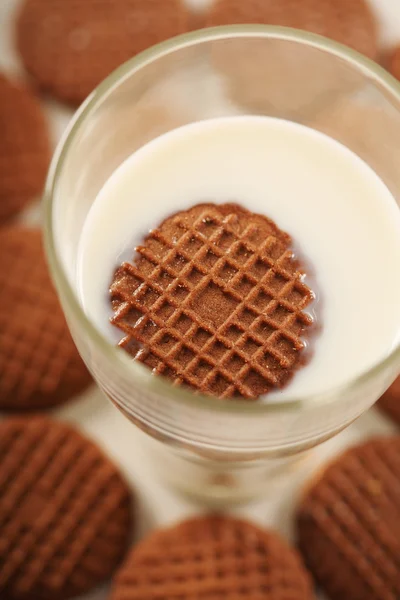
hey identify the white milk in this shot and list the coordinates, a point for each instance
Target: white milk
(339, 213)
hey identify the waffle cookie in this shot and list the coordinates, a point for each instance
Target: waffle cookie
(65, 511)
(349, 22)
(214, 300)
(349, 524)
(39, 364)
(210, 558)
(280, 78)
(70, 46)
(390, 401)
(24, 147)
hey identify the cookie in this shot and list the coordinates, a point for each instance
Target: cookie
(24, 147)
(394, 63)
(70, 46)
(210, 558)
(349, 524)
(282, 78)
(390, 401)
(215, 300)
(39, 364)
(349, 22)
(65, 511)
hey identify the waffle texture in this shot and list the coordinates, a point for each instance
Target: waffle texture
(215, 300)
(213, 558)
(24, 147)
(349, 524)
(349, 22)
(39, 364)
(65, 511)
(70, 46)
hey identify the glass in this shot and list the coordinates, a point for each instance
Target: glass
(218, 451)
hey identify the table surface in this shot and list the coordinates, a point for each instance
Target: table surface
(158, 506)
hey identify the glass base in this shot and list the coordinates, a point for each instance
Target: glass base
(219, 483)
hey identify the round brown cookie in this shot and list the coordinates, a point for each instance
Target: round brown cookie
(39, 364)
(349, 22)
(390, 401)
(209, 558)
(284, 78)
(349, 524)
(394, 63)
(24, 147)
(70, 46)
(214, 300)
(65, 511)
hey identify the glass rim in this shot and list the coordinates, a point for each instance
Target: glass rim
(110, 351)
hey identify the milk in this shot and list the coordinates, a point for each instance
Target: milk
(341, 216)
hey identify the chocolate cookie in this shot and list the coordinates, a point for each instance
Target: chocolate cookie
(390, 401)
(39, 364)
(349, 524)
(65, 511)
(210, 558)
(349, 22)
(215, 300)
(24, 147)
(281, 78)
(70, 46)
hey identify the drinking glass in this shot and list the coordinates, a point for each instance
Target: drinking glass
(218, 451)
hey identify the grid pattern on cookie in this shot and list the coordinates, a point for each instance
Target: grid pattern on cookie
(212, 557)
(349, 524)
(215, 304)
(90, 39)
(64, 511)
(39, 363)
(24, 147)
